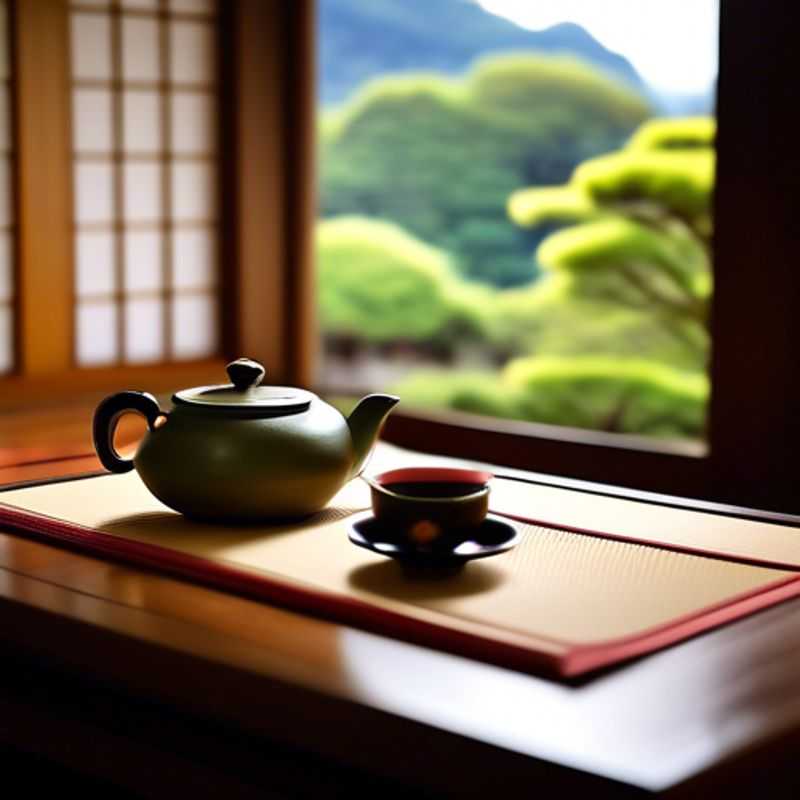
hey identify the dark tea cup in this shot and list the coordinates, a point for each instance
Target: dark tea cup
(429, 504)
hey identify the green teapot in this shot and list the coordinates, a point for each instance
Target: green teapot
(242, 451)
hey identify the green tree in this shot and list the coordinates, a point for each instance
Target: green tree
(639, 227)
(547, 318)
(609, 394)
(618, 327)
(440, 156)
(597, 392)
(616, 332)
(377, 283)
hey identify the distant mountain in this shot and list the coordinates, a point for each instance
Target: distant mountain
(361, 39)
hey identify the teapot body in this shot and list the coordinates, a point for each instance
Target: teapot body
(240, 467)
(242, 452)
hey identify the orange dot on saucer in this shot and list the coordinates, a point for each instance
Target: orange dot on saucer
(424, 531)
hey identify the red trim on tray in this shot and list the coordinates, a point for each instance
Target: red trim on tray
(676, 548)
(573, 659)
(583, 659)
(336, 608)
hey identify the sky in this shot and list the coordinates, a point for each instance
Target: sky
(671, 43)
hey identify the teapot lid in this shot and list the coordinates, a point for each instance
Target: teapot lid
(245, 393)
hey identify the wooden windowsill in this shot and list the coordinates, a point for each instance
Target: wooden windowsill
(77, 387)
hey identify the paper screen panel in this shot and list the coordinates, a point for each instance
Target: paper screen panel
(91, 46)
(192, 6)
(145, 150)
(191, 124)
(91, 121)
(141, 184)
(141, 115)
(94, 262)
(94, 193)
(193, 56)
(143, 267)
(195, 320)
(194, 259)
(141, 56)
(193, 198)
(97, 333)
(144, 320)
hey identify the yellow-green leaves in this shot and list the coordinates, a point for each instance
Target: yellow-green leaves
(379, 283)
(531, 207)
(637, 224)
(679, 181)
(680, 133)
(599, 392)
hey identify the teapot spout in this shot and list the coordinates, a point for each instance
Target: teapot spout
(365, 422)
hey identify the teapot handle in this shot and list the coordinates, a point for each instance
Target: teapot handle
(105, 422)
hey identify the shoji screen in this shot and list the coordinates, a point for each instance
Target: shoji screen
(145, 185)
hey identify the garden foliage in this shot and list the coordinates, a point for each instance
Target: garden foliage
(593, 297)
(439, 156)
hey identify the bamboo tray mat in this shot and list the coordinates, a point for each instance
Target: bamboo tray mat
(562, 601)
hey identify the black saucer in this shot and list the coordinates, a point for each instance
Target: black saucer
(494, 535)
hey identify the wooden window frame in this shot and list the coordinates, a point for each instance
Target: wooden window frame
(261, 130)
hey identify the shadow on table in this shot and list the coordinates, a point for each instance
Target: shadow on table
(170, 529)
(390, 579)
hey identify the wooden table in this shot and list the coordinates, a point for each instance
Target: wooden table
(167, 688)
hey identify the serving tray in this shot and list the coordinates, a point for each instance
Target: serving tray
(562, 601)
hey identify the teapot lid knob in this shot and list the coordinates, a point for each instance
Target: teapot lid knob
(245, 373)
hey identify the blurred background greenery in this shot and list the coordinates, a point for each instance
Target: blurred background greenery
(523, 234)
